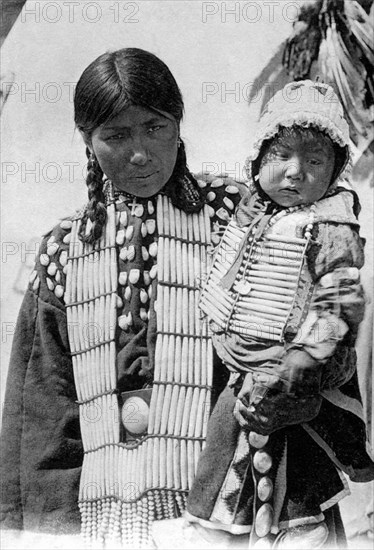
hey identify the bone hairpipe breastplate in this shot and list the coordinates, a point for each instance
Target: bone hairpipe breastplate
(272, 286)
(125, 485)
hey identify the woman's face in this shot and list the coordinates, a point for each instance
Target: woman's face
(137, 150)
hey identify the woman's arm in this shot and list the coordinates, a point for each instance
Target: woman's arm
(41, 447)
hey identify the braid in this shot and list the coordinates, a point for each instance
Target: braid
(96, 209)
(182, 187)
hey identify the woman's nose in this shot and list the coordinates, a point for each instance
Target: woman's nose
(138, 154)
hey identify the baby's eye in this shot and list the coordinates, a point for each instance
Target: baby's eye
(282, 155)
(315, 162)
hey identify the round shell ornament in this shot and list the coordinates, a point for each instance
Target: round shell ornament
(262, 461)
(264, 520)
(139, 210)
(134, 415)
(257, 440)
(264, 488)
(243, 287)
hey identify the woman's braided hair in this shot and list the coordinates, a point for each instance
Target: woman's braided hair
(109, 85)
(95, 210)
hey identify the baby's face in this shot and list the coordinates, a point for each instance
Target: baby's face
(297, 171)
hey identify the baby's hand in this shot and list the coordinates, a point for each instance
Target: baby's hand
(246, 389)
(300, 373)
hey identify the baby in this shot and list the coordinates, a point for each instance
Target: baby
(284, 302)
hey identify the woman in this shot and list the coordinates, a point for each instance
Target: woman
(110, 382)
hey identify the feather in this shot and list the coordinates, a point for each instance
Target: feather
(302, 47)
(351, 104)
(270, 72)
(359, 24)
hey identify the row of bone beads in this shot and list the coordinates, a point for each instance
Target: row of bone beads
(250, 320)
(137, 259)
(179, 410)
(92, 290)
(272, 272)
(92, 274)
(262, 465)
(90, 304)
(215, 302)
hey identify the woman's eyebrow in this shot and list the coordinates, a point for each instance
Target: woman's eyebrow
(115, 127)
(148, 122)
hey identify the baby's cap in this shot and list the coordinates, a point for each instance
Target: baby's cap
(302, 103)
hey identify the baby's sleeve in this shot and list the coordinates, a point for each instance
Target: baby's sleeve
(330, 329)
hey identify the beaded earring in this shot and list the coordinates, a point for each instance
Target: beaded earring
(190, 192)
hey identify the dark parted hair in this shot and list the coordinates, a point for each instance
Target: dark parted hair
(114, 81)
